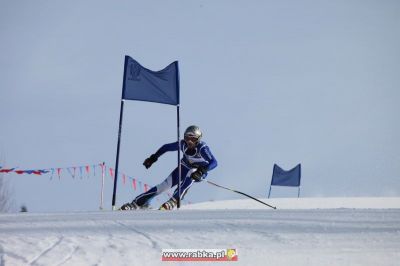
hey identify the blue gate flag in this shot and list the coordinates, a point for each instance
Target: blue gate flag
(289, 178)
(143, 84)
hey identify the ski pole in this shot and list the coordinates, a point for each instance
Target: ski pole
(244, 194)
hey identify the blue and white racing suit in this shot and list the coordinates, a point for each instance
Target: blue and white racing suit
(200, 156)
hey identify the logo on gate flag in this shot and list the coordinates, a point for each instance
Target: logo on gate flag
(134, 71)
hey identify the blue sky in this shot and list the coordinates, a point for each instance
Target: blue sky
(311, 82)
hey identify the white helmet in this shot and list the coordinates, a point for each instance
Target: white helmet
(193, 133)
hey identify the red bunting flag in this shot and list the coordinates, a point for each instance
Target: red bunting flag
(59, 173)
(146, 187)
(6, 170)
(134, 184)
(111, 173)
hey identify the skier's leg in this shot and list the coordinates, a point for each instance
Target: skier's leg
(168, 183)
(146, 196)
(186, 182)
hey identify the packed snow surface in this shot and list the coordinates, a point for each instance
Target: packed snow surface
(364, 231)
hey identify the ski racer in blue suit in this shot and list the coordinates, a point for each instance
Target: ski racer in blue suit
(196, 162)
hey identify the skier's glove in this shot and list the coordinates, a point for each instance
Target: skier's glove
(196, 175)
(149, 161)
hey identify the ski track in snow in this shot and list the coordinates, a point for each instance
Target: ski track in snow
(47, 250)
(262, 237)
(153, 243)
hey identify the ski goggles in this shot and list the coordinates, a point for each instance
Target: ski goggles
(191, 139)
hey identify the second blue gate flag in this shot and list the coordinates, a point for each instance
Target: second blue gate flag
(142, 84)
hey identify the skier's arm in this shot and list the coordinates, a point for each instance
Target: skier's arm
(167, 147)
(207, 155)
(201, 172)
(154, 157)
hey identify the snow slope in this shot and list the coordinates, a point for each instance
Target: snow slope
(303, 203)
(262, 236)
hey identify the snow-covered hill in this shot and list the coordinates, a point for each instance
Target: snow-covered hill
(301, 232)
(302, 203)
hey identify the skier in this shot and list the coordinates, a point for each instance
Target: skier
(197, 160)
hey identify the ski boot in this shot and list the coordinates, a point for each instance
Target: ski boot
(129, 206)
(169, 205)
